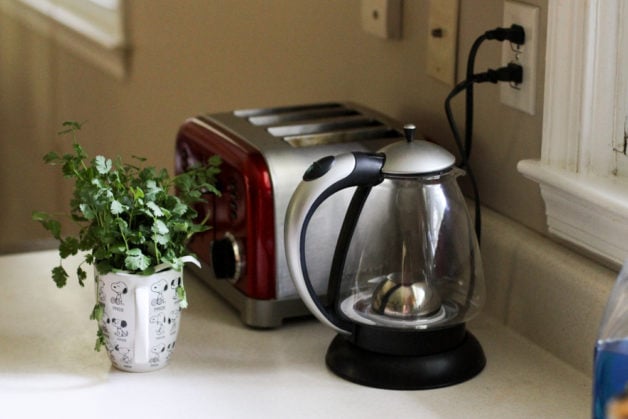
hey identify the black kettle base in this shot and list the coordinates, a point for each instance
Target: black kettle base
(395, 372)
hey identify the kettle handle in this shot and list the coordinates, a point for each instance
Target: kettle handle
(321, 180)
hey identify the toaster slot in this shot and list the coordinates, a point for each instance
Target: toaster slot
(358, 134)
(301, 116)
(323, 125)
(247, 113)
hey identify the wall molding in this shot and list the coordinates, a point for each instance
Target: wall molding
(586, 204)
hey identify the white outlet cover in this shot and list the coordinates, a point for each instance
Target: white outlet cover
(522, 96)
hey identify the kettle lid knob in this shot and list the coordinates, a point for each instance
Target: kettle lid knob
(415, 157)
(409, 130)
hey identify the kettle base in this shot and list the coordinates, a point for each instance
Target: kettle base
(395, 372)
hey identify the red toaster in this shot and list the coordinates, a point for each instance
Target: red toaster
(264, 154)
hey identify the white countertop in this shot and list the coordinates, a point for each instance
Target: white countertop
(222, 369)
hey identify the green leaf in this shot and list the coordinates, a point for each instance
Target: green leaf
(97, 182)
(181, 227)
(159, 227)
(60, 276)
(69, 168)
(122, 225)
(68, 246)
(138, 193)
(180, 208)
(214, 160)
(81, 275)
(53, 226)
(104, 266)
(117, 208)
(70, 126)
(100, 340)
(87, 211)
(183, 301)
(79, 152)
(162, 239)
(39, 216)
(152, 188)
(103, 165)
(51, 158)
(136, 260)
(97, 312)
(155, 209)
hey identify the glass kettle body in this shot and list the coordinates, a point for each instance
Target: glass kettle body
(412, 261)
(406, 273)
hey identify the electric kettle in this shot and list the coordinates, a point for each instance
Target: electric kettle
(406, 274)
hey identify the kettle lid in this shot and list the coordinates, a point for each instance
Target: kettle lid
(415, 157)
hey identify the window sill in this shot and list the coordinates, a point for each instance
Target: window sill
(588, 211)
(108, 53)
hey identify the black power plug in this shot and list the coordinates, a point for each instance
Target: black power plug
(515, 34)
(512, 73)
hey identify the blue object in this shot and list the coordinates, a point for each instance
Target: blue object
(610, 376)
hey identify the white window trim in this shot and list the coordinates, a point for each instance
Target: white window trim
(583, 117)
(104, 45)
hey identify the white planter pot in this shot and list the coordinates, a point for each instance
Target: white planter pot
(141, 318)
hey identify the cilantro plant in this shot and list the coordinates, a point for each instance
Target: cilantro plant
(129, 218)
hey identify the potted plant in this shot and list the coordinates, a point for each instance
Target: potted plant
(133, 226)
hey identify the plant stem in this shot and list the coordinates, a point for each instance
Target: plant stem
(126, 244)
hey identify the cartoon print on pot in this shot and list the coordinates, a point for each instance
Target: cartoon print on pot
(170, 349)
(125, 353)
(156, 351)
(159, 322)
(111, 325)
(158, 288)
(119, 327)
(119, 288)
(172, 320)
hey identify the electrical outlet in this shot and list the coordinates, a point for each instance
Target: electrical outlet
(382, 18)
(521, 96)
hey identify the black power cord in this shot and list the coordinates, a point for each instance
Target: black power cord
(511, 73)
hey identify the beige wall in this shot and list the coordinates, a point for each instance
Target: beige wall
(195, 56)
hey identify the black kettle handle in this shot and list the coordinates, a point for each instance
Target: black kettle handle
(321, 180)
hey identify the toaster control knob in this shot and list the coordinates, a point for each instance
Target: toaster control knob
(227, 258)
